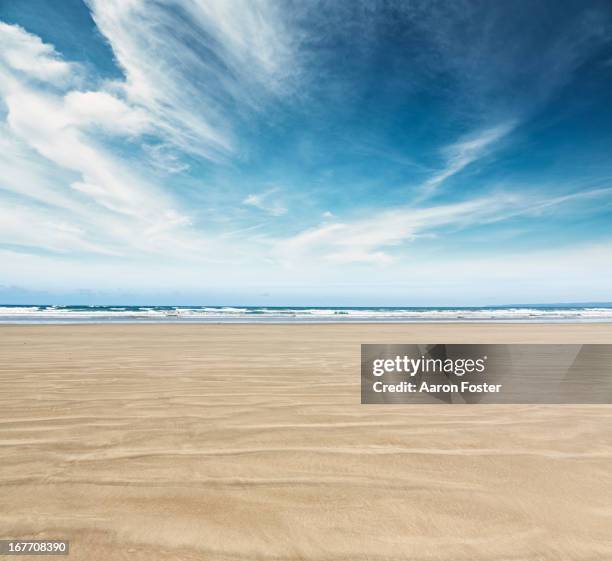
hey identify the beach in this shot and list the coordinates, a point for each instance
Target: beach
(248, 442)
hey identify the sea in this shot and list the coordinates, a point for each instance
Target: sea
(296, 314)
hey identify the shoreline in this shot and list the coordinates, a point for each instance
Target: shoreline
(303, 315)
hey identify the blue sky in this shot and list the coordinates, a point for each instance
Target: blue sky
(335, 153)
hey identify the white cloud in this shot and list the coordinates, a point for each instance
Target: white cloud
(365, 239)
(26, 53)
(266, 201)
(51, 135)
(164, 158)
(511, 277)
(45, 124)
(38, 229)
(466, 151)
(197, 79)
(370, 239)
(97, 108)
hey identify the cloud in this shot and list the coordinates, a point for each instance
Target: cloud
(164, 158)
(26, 53)
(267, 202)
(495, 278)
(38, 230)
(365, 240)
(498, 67)
(101, 109)
(53, 135)
(198, 66)
(370, 239)
(49, 126)
(466, 151)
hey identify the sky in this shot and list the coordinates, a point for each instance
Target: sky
(305, 153)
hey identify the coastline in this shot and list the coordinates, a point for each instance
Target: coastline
(543, 313)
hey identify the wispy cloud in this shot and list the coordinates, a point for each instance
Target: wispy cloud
(197, 66)
(368, 239)
(466, 151)
(43, 230)
(372, 239)
(267, 201)
(56, 128)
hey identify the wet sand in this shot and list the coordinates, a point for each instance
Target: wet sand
(248, 442)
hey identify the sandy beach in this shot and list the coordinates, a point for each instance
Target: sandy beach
(249, 442)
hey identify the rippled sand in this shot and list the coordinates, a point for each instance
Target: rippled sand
(248, 442)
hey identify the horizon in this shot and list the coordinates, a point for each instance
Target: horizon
(343, 153)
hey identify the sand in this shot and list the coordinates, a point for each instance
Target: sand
(248, 442)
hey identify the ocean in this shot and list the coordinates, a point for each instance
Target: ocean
(290, 314)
